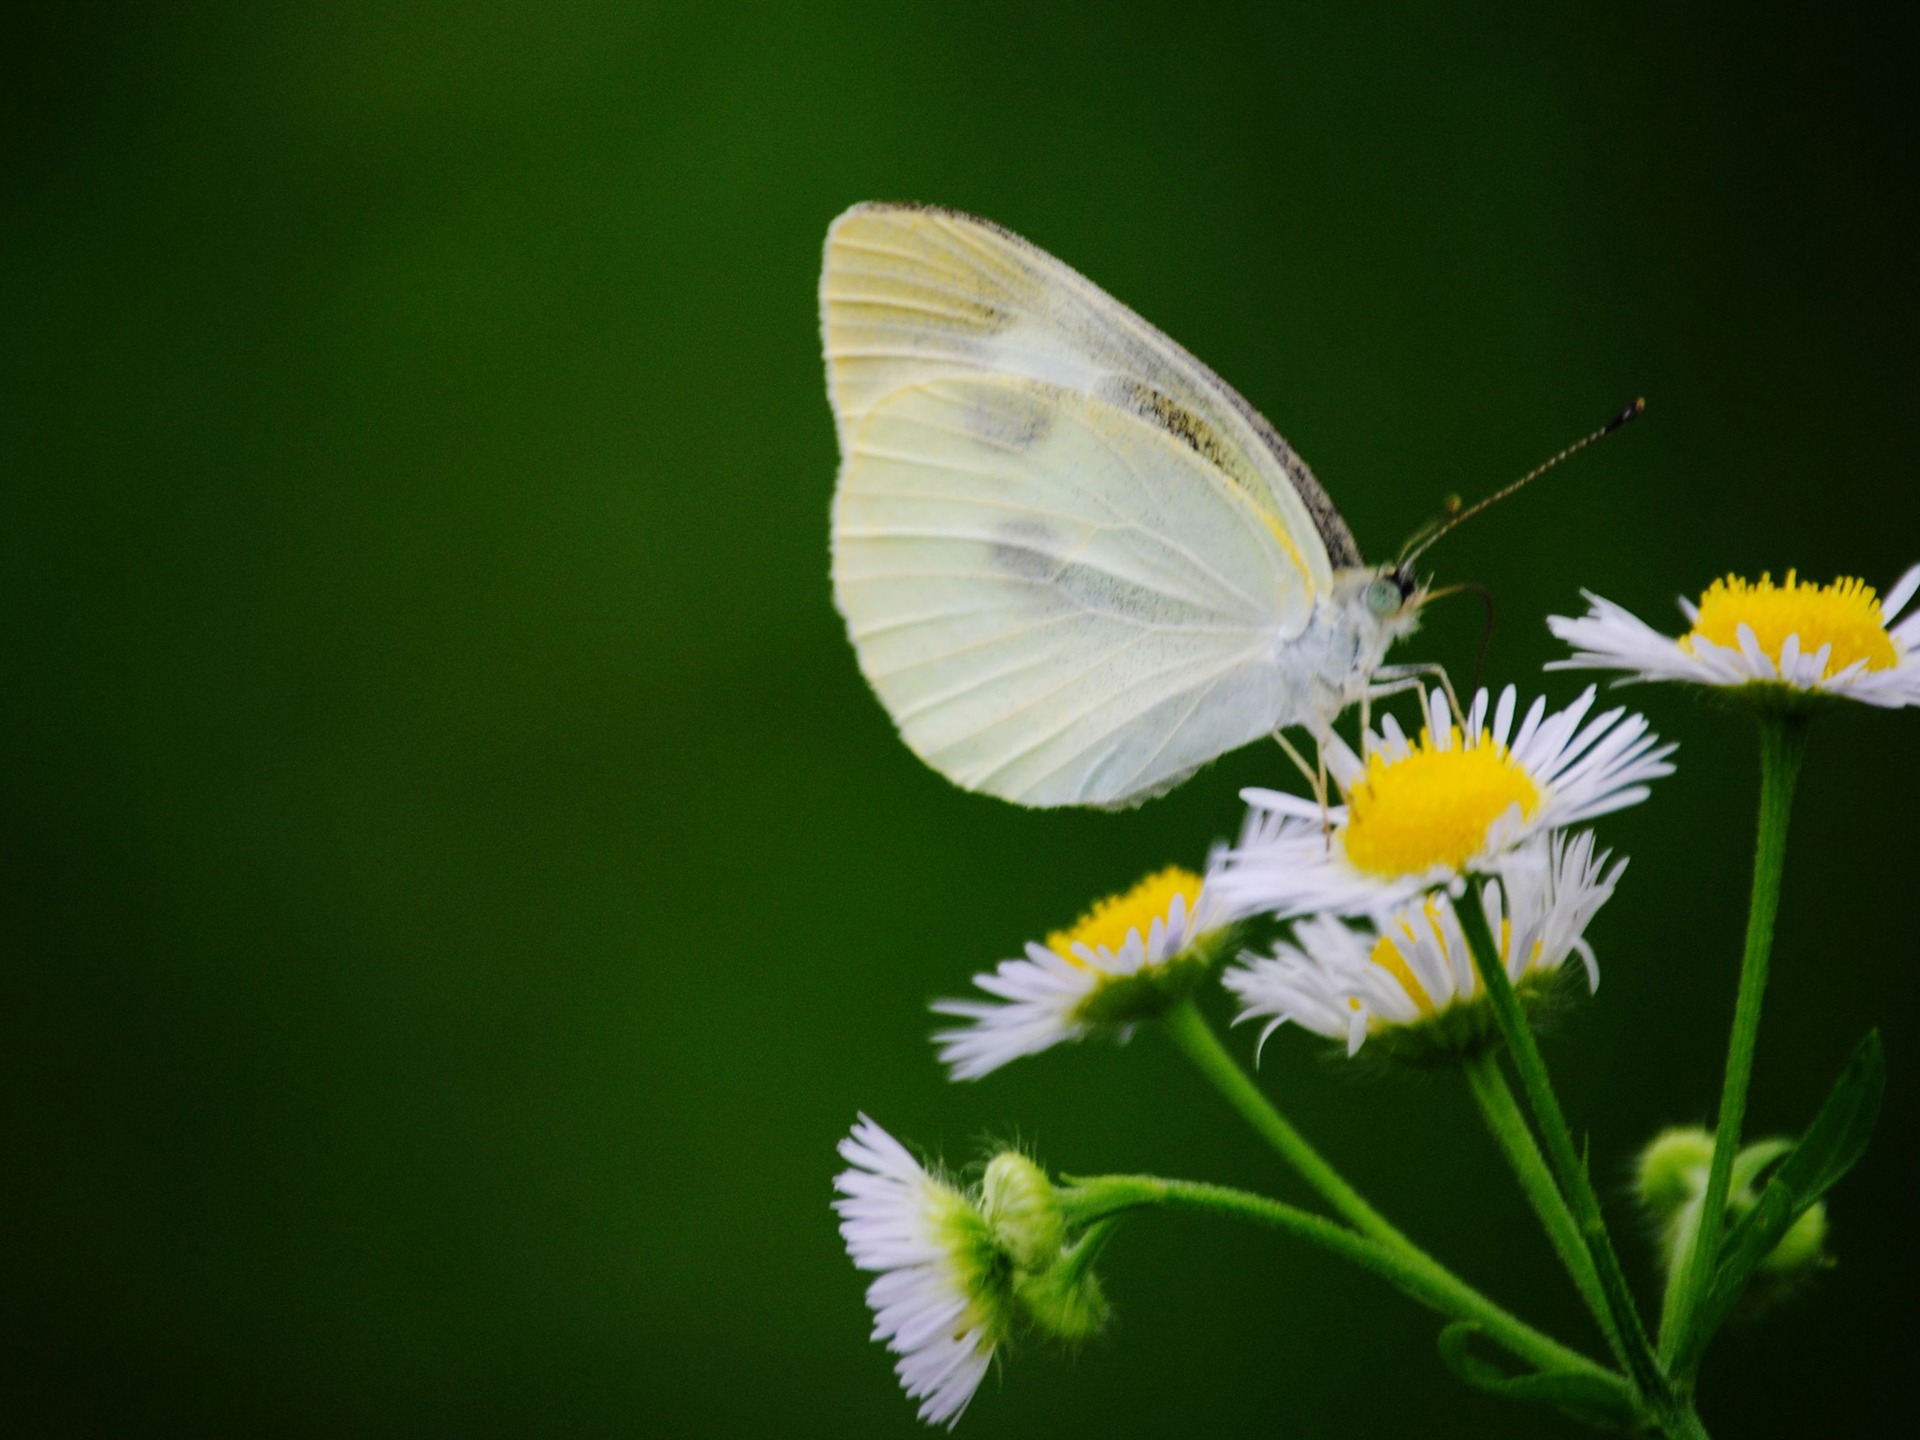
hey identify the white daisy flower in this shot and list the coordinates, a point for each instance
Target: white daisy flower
(1408, 980)
(936, 1302)
(1428, 813)
(1837, 639)
(1126, 960)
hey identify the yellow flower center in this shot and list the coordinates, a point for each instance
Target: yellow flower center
(1845, 615)
(1388, 955)
(1110, 921)
(1432, 806)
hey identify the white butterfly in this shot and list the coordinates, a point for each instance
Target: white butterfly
(1075, 565)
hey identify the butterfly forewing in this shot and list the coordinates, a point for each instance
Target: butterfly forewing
(911, 293)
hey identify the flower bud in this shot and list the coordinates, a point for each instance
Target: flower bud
(1053, 1282)
(1672, 1182)
(1803, 1248)
(1018, 1201)
(1798, 1253)
(1673, 1171)
(1066, 1301)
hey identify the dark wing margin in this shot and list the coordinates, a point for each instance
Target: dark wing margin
(1334, 534)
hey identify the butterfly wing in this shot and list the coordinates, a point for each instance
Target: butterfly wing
(1057, 602)
(910, 293)
(1067, 553)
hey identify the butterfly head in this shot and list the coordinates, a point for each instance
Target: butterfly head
(1393, 597)
(1373, 606)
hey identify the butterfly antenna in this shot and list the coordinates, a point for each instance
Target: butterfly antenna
(1424, 538)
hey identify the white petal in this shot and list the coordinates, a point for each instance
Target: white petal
(1503, 714)
(1897, 598)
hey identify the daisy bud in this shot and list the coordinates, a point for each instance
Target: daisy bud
(1673, 1170)
(1053, 1282)
(1672, 1182)
(1802, 1250)
(1018, 1202)
(1065, 1301)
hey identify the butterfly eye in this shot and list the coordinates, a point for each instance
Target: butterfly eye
(1383, 596)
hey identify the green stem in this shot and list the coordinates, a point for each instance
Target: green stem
(1509, 1130)
(1783, 743)
(1193, 1035)
(1683, 1424)
(1568, 1166)
(1103, 1196)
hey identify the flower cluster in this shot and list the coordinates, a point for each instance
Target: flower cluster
(1672, 1182)
(1377, 949)
(1424, 912)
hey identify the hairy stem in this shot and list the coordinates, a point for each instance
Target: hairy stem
(1193, 1035)
(1509, 1130)
(1783, 742)
(1569, 1167)
(1102, 1196)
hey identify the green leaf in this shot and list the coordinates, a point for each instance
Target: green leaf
(1833, 1143)
(1603, 1401)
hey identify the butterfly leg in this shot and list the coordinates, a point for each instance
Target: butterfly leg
(1387, 691)
(1320, 785)
(1401, 678)
(1316, 776)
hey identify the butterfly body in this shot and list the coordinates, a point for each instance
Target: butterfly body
(1074, 564)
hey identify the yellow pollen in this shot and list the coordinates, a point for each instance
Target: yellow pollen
(1432, 806)
(1845, 614)
(1388, 955)
(1110, 921)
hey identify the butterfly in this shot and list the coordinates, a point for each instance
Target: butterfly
(1075, 565)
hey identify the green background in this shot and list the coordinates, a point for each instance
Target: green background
(457, 888)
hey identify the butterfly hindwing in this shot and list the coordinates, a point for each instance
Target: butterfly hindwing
(1057, 601)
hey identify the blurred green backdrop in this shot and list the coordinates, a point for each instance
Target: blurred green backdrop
(457, 887)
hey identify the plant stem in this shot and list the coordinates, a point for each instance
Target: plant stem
(1099, 1197)
(1193, 1035)
(1568, 1165)
(1783, 743)
(1683, 1424)
(1509, 1130)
